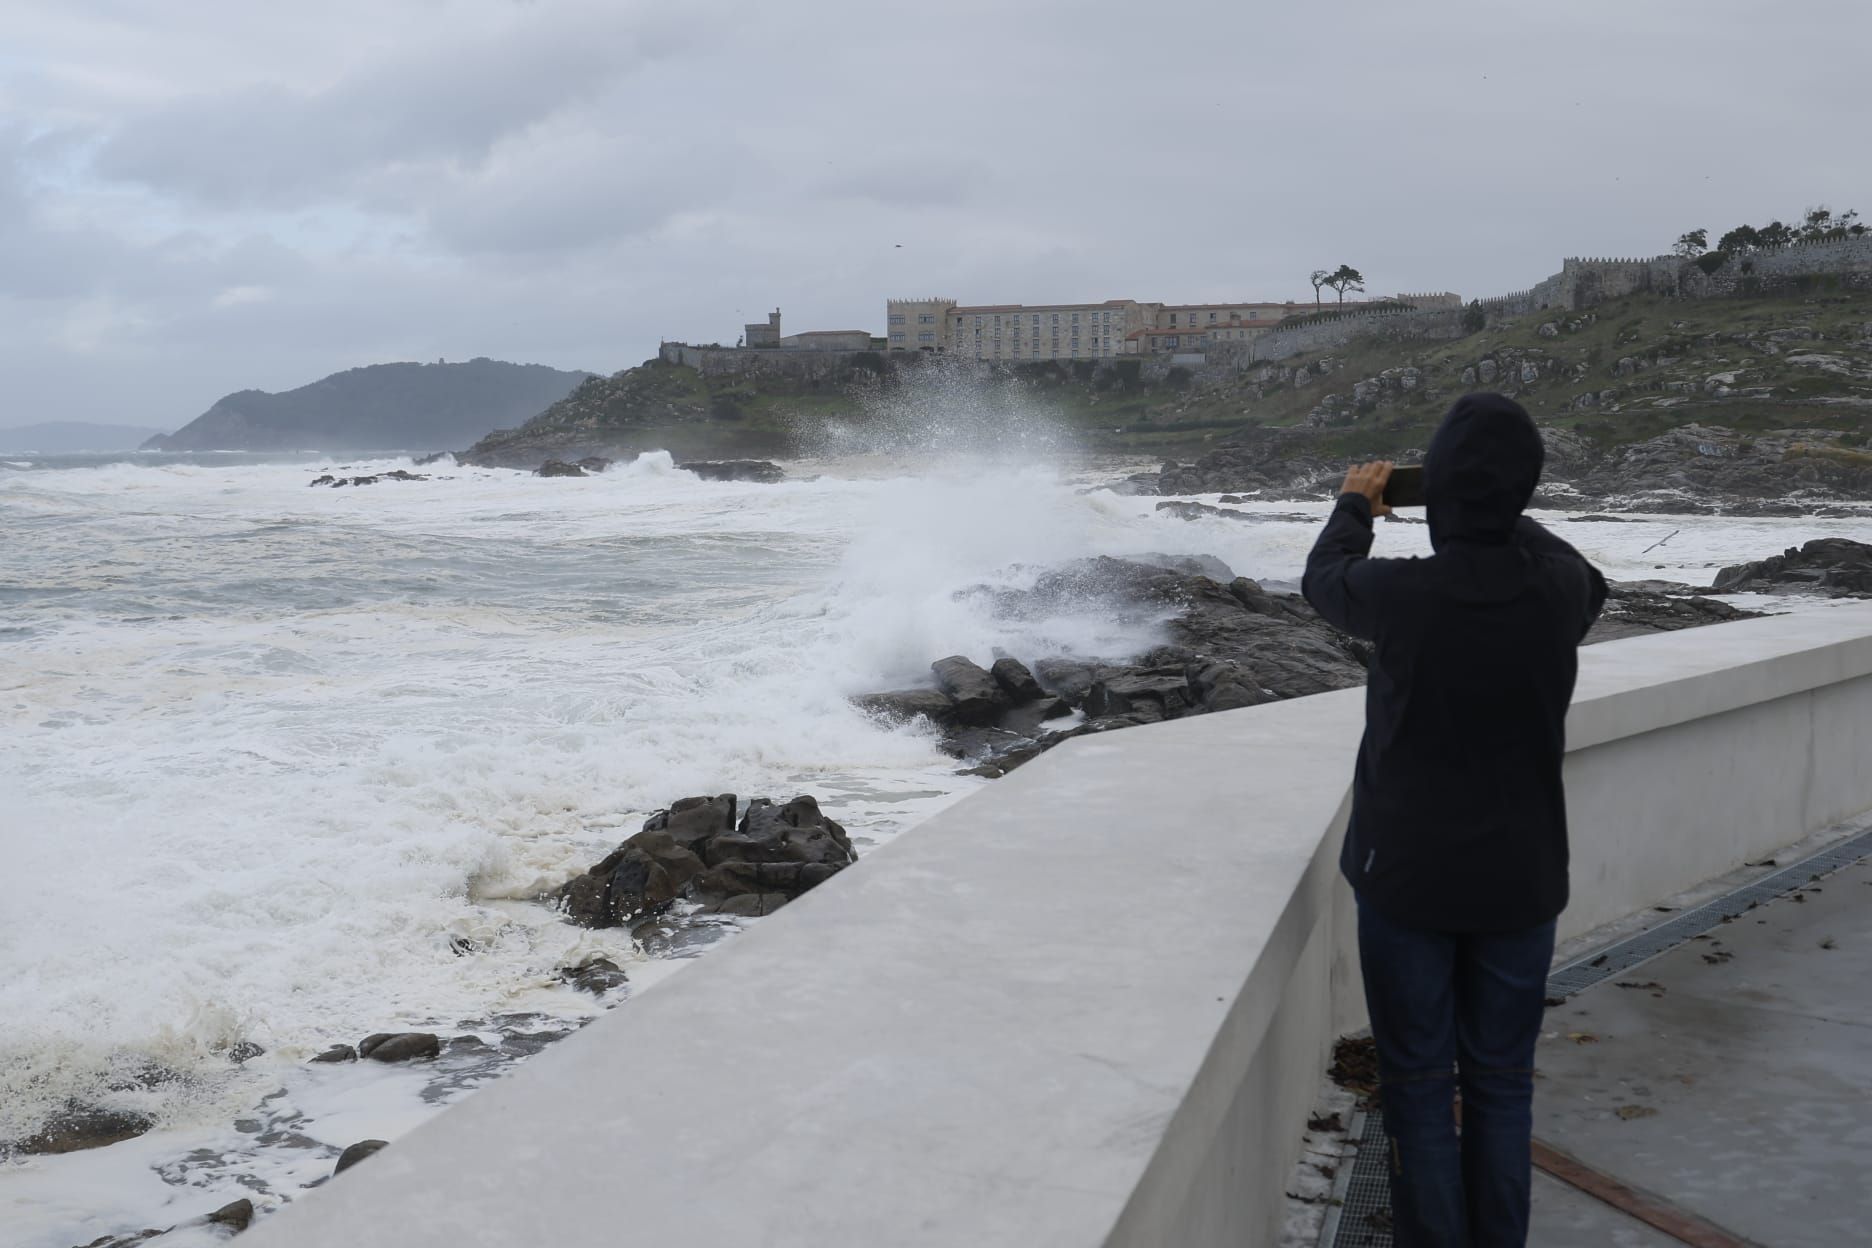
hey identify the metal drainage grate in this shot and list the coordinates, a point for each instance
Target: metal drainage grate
(1363, 1218)
(1616, 959)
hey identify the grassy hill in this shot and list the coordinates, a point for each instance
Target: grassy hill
(1616, 375)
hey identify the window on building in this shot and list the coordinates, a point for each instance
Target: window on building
(1212, 316)
(897, 336)
(1173, 317)
(926, 320)
(897, 318)
(926, 336)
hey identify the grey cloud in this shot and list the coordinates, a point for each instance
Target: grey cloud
(271, 145)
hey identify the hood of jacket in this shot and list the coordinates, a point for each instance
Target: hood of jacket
(1481, 470)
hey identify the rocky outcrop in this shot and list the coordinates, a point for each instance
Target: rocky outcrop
(1636, 608)
(407, 1046)
(558, 468)
(78, 1127)
(697, 851)
(1835, 566)
(230, 1219)
(397, 475)
(356, 1153)
(758, 470)
(1228, 644)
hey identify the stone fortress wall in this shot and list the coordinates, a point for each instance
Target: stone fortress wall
(1843, 264)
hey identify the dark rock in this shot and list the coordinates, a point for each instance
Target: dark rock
(1070, 679)
(244, 1051)
(903, 705)
(748, 905)
(558, 468)
(404, 1046)
(596, 975)
(356, 1153)
(981, 743)
(399, 474)
(695, 850)
(1835, 566)
(758, 470)
(338, 1053)
(237, 1214)
(129, 1240)
(1154, 696)
(1027, 718)
(1635, 609)
(1015, 680)
(78, 1127)
(979, 698)
(696, 819)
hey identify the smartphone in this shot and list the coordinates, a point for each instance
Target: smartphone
(1405, 488)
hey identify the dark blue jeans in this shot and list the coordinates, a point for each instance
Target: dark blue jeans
(1450, 1010)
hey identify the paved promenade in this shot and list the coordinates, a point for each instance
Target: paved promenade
(1730, 1078)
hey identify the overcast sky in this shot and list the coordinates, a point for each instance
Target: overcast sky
(202, 197)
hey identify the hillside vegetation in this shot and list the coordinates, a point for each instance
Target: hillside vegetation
(1617, 375)
(383, 407)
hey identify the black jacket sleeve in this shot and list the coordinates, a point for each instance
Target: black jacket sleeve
(1339, 579)
(1586, 585)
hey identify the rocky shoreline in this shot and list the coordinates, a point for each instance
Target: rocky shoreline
(1229, 643)
(1690, 470)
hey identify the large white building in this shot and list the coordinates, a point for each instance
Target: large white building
(1082, 331)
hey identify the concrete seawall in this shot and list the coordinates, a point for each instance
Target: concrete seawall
(1089, 1005)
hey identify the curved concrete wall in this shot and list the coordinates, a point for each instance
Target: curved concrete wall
(1089, 1006)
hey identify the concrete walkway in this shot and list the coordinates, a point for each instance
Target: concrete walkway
(1731, 1077)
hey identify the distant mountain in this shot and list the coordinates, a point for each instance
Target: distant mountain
(384, 407)
(63, 437)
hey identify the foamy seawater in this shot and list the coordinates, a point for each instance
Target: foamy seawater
(287, 766)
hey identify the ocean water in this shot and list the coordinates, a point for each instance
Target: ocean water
(284, 766)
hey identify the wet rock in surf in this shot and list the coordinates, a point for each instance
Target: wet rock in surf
(356, 1153)
(407, 1046)
(1835, 566)
(979, 698)
(1015, 679)
(558, 468)
(594, 463)
(337, 1053)
(78, 1127)
(1231, 644)
(596, 975)
(235, 1215)
(1634, 609)
(396, 475)
(758, 470)
(902, 705)
(698, 851)
(129, 1240)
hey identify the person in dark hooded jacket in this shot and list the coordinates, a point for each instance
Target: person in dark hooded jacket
(1457, 846)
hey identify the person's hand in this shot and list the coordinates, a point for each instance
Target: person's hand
(1369, 480)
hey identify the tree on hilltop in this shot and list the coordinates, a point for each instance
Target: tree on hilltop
(1691, 245)
(1820, 223)
(1320, 278)
(1345, 278)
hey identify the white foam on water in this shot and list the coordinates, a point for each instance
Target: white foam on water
(273, 753)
